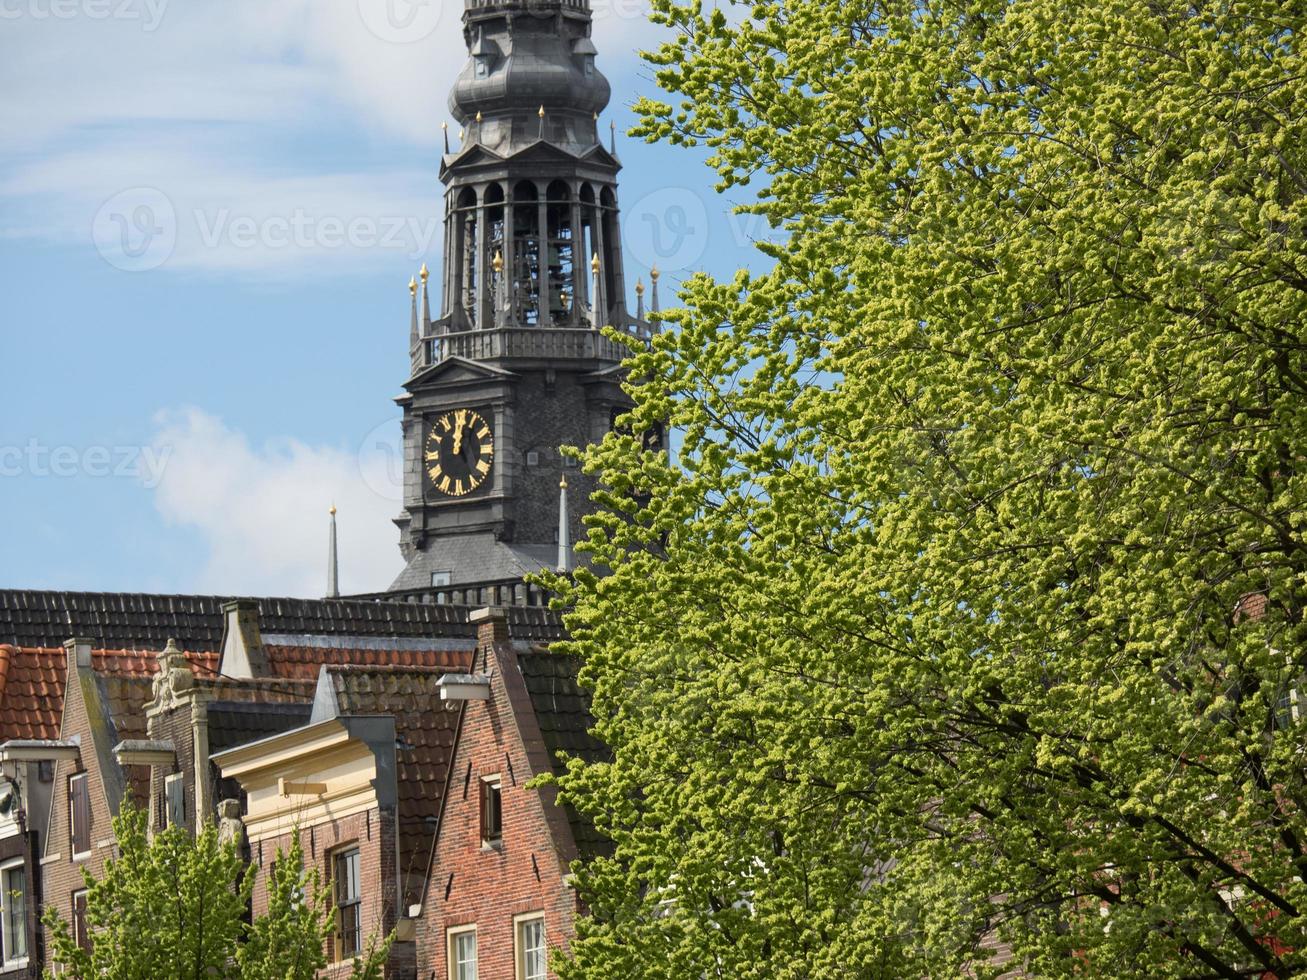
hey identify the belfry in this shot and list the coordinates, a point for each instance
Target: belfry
(515, 365)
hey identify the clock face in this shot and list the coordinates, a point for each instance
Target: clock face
(460, 450)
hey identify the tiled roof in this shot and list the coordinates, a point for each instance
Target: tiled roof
(562, 709)
(32, 695)
(30, 618)
(425, 733)
(306, 657)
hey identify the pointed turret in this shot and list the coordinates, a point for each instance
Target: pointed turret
(564, 529)
(653, 278)
(333, 560)
(426, 302)
(639, 299)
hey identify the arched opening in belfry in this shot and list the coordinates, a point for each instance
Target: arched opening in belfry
(611, 251)
(560, 225)
(468, 267)
(526, 253)
(587, 247)
(493, 215)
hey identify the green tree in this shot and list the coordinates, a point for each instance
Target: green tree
(971, 610)
(175, 906)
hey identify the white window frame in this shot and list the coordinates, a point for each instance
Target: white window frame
(520, 922)
(495, 783)
(339, 855)
(72, 816)
(169, 781)
(6, 903)
(451, 945)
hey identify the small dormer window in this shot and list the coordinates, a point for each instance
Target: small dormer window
(483, 63)
(588, 65)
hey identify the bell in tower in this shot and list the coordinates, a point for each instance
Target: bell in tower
(515, 365)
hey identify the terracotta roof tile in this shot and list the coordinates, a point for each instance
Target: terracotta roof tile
(31, 701)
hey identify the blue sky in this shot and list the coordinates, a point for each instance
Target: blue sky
(209, 214)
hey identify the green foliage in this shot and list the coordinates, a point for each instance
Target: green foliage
(936, 635)
(175, 906)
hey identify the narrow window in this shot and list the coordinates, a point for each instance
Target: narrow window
(349, 905)
(492, 812)
(81, 933)
(174, 791)
(13, 910)
(529, 941)
(463, 954)
(79, 815)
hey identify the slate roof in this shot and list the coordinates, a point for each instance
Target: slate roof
(562, 709)
(30, 618)
(233, 723)
(425, 735)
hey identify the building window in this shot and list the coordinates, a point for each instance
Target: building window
(81, 932)
(79, 815)
(492, 811)
(463, 954)
(533, 458)
(349, 904)
(174, 795)
(13, 911)
(529, 943)
(441, 580)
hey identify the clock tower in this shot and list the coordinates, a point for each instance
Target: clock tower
(515, 366)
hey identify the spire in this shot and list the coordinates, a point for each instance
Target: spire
(597, 298)
(333, 561)
(414, 336)
(542, 121)
(426, 302)
(612, 131)
(444, 128)
(564, 529)
(639, 299)
(653, 277)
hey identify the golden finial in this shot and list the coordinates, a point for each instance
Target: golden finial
(594, 263)
(332, 512)
(562, 484)
(639, 287)
(424, 273)
(478, 116)
(542, 111)
(567, 301)
(498, 264)
(444, 126)
(654, 273)
(460, 134)
(413, 287)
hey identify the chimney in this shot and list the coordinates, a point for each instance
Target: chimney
(492, 628)
(243, 655)
(79, 652)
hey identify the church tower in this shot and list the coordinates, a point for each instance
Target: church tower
(515, 365)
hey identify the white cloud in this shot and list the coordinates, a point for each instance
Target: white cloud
(262, 510)
(212, 106)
